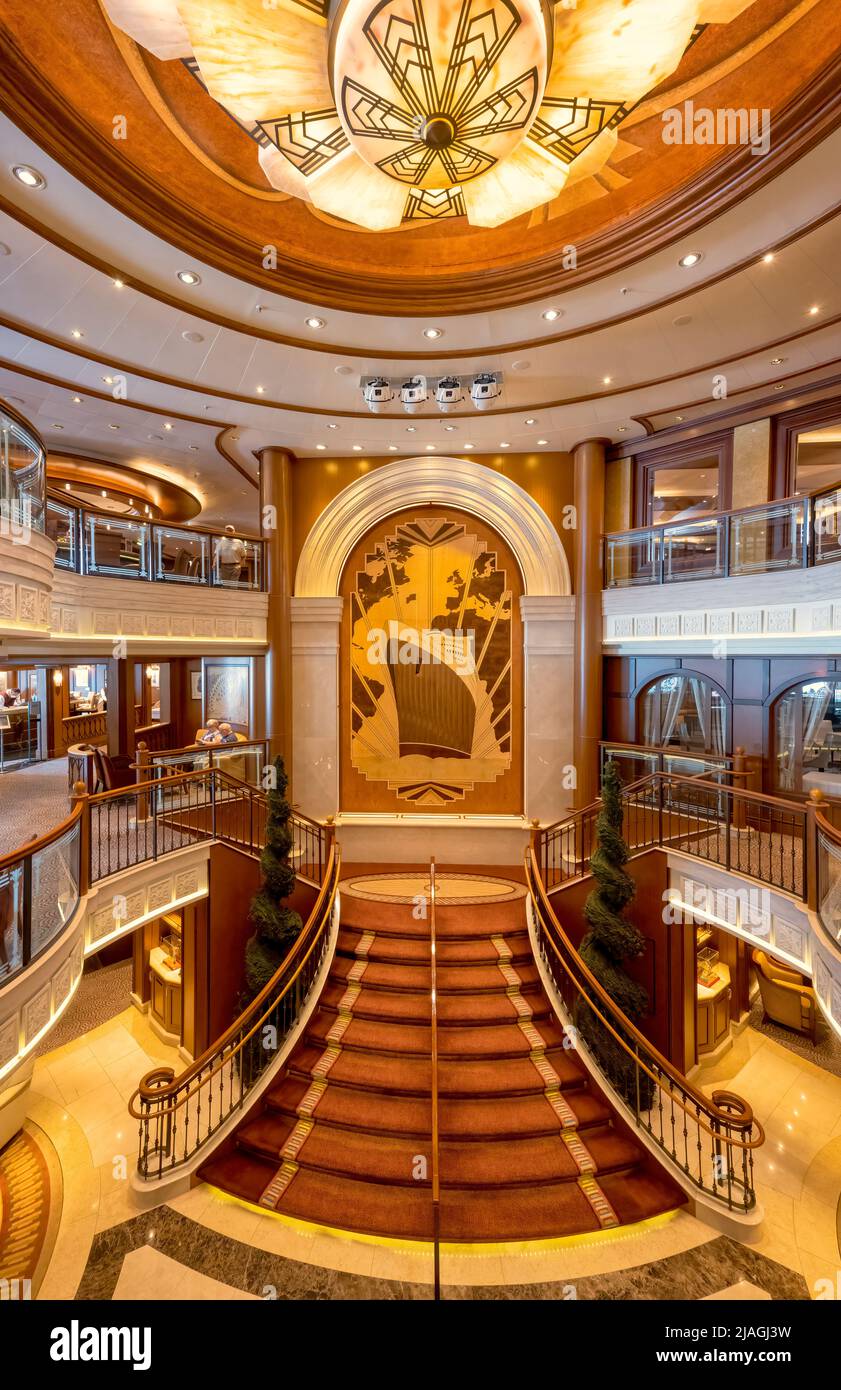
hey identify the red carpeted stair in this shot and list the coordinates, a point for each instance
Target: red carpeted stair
(529, 1147)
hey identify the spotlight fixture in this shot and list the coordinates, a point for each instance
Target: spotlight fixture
(189, 277)
(377, 394)
(433, 332)
(29, 177)
(315, 322)
(485, 390)
(691, 258)
(413, 394)
(551, 314)
(448, 393)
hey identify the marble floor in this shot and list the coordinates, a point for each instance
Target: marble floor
(204, 1245)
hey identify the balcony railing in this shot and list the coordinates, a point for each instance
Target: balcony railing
(42, 882)
(790, 534)
(124, 547)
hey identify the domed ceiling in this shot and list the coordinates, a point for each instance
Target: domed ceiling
(407, 156)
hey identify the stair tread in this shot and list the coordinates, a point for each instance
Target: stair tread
(415, 950)
(414, 1008)
(414, 977)
(396, 1072)
(488, 1041)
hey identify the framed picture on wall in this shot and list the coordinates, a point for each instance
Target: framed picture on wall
(227, 694)
(195, 685)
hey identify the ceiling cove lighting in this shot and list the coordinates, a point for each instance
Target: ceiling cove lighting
(396, 139)
(189, 277)
(29, 177)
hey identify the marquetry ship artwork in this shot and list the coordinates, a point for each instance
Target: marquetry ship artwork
(431, 662)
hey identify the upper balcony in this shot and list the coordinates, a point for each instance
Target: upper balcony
(698, 580)
(69, 571)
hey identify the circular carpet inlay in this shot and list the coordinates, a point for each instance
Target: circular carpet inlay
(466, 889)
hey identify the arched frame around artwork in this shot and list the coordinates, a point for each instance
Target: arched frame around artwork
(547, 609)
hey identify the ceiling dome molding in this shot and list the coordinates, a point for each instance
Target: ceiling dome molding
(470, 487)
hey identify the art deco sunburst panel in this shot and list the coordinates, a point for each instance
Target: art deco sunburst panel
(432, 669)
(383, 111)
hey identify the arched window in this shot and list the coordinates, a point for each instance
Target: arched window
(683, 711)
(807, 737)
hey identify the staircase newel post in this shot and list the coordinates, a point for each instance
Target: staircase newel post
(817, 802)
(79, 797)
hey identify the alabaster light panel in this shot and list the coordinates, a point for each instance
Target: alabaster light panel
(399, 110)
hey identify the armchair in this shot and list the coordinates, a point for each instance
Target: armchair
(113, 773)
(786, 997)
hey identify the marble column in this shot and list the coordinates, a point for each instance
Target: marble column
(276, 528)
(316, 631)
(589, 494)
(548, 644)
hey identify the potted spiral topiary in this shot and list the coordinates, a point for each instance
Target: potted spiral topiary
(275, 925)
(612, 940)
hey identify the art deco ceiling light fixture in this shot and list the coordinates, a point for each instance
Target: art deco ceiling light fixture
(382, 111)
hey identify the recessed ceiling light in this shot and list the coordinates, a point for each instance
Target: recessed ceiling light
(103, 493)
(261, 390)
(543, 441)
(691, 258)
(623, 429)
(503, 444)
(470, 446)
(192, 337)
(315, 322)
(607, 380)
(321, 446)
(332, 427)
(66, 487)
(167, 425)
(194, 448)
(57, 427)
(77, 400)
(343, 371)
(109, 380)
(777, 361)
(31, 178)
(779, 388)
(119, 284)
(815, 309)
(113, 427)
(189, 277)
(768, 258)
(77, 333)
(682, 320)
(449, 428)
(357, 448)
(521, 365)
(530, 422)
(433, 332)
(411, 429)
(551, 314)
(392, 448)
(679, 418)
(4, 249)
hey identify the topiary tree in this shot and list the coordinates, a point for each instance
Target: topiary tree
(275, 925)
(612, 940)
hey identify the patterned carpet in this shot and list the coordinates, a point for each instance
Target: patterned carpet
(102, 994)
(467, 889)
(25, 1191)
(32, 801)
(825, 1053)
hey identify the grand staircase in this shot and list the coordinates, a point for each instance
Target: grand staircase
(529, 1148)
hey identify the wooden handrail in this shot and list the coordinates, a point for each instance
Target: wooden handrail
(190, 748)
(181, 1083)
(436, 1173)
(31, 847)
(706, 1105)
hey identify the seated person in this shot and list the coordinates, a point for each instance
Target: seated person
(227, 734)
(210, 733)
